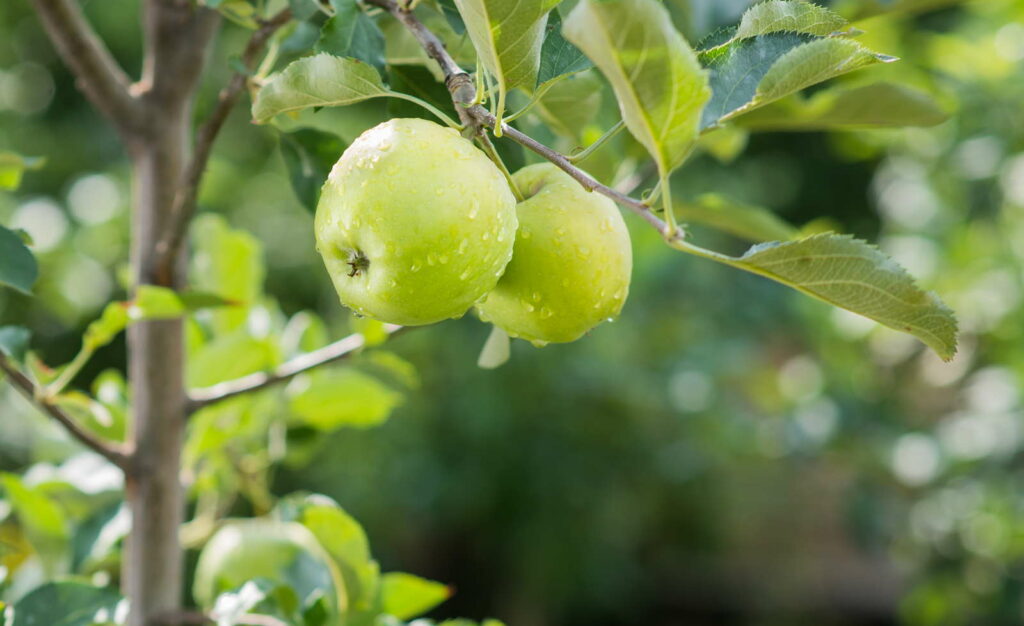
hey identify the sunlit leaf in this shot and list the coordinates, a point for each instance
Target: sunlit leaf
(344, 397)
(508, 37)
(877, 105)
(318, 81)
(854, 275)
(42, 520)
(18, 267)
(13, 167)
(405, 596)
(793, 16)
(813, 63)
(66, 604)
(660, 86)
(228, 357)
(229, 263)
(344, 540)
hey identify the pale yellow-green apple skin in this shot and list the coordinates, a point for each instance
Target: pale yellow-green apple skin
(414, 223)
(571, 265)
(242, 550)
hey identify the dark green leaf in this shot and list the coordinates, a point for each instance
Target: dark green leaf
(18, 268)
(309, 156)
(96, 538)
(14, 342)
(303, 9)
(66, 604)
(352, 33)
(737, 70)
(558, 57)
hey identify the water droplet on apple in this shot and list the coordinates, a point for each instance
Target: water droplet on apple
(415, 267)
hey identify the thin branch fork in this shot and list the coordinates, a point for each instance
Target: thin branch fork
(186, 198)
(463, 92)
(113, 452)
(337, 351)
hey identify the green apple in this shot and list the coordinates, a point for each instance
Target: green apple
(414, 223)
(571, 265)
(282, 552)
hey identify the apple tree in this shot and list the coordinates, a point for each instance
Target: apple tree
(458, 158)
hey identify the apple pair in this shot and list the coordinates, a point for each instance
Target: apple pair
(416, 225)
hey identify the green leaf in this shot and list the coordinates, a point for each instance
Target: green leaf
(14, 342)
(344, 397)
(851, 274)
(344, 540)
(813, 63)
(228, 357)
(558, 57)
(318, 81)
(18, 268)
(508, 37)
(309, 156)
(750, 222)
(660, 86)
(95, 540)
(496, 350)
(737, 69)
(352, 33)
(749, 73)
(877, 105)
(571, 105)
(303, 9)
(42, 520)
(66, 604)
(229, 263)
(405, 596)
(13, 166)
(102, 331)
(793, 16)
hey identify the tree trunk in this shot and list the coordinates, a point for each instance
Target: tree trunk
(178, 36)
(153, 562)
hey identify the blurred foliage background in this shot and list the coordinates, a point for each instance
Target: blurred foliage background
(727, 452)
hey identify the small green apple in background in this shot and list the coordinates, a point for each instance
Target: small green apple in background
(571, 265)
(285, 553)
(414, 223)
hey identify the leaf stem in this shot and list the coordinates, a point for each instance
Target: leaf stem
(68, 373)
(426, 105)
(492, 153)
(600, 141)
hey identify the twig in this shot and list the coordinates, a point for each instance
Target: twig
(96, 72)
(185, 200)
(463, 92)
(113, 452)
(341, 349)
